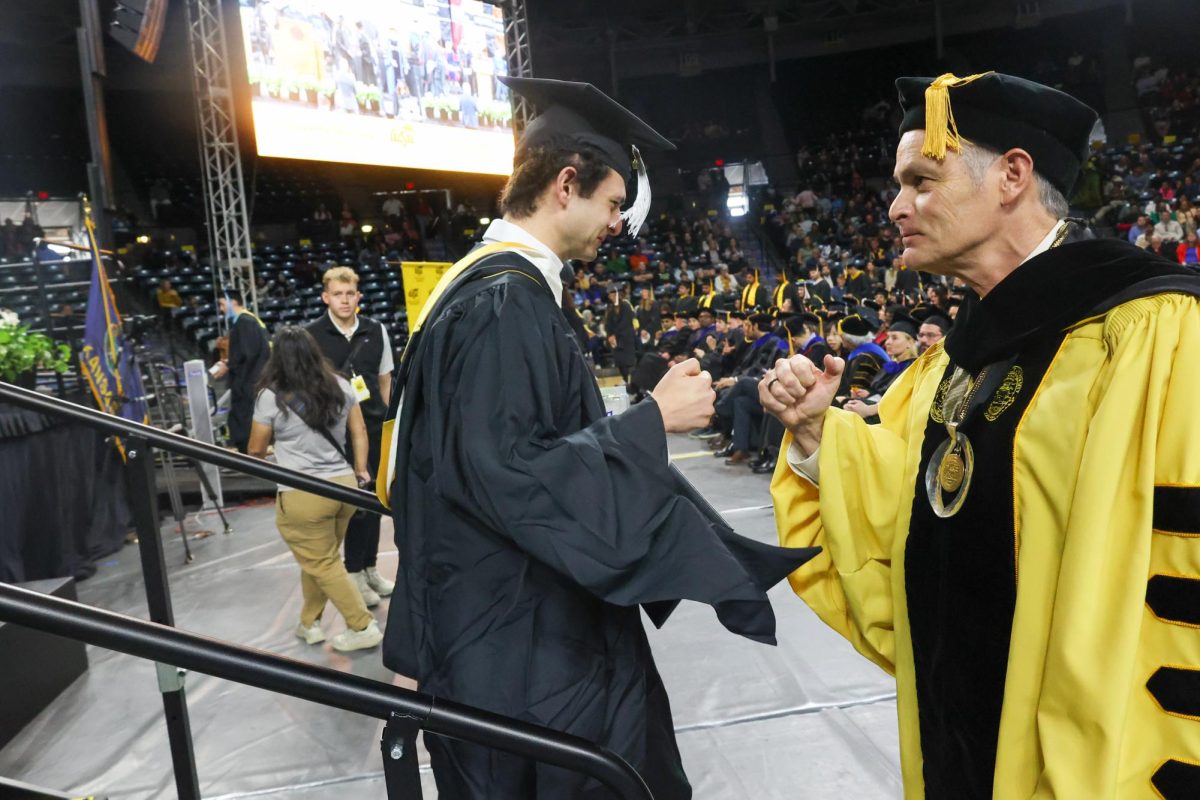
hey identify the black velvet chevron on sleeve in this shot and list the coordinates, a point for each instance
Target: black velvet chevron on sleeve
(1176, 690)
(1177, 780)
(1177, 509)
(1174, 599)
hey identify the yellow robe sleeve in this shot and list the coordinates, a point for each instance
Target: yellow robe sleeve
(1078, 718)
(858, 512)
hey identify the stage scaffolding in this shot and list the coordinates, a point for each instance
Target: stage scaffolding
(520, 57)
(220, 158)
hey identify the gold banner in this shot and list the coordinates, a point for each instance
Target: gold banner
(419, 279)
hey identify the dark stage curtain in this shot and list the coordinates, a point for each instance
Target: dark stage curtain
(63, 497)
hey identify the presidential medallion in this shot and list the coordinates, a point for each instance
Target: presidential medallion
(949, 474)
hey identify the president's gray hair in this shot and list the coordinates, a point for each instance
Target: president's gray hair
(853, 342)
(978, 158)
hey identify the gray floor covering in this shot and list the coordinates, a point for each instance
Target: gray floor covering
(807, 719)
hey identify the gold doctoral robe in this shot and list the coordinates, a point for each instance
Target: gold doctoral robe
(1046, 640)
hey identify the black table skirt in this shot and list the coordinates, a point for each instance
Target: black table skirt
(63, 497)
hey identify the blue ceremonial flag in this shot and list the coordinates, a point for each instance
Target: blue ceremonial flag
(105, 359)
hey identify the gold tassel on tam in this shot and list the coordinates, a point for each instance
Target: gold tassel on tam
(941, 132)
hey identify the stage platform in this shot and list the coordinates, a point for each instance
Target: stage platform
(809, 719)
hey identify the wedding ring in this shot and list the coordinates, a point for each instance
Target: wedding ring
(772, 383)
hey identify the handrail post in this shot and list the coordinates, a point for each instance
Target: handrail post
(401, 771)
(144, 498)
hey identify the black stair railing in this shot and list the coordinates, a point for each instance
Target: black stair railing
(405, 711)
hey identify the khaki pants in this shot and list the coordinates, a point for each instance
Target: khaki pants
(313, 528)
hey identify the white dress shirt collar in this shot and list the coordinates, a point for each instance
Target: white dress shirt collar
(539, 254)
(1048, 240)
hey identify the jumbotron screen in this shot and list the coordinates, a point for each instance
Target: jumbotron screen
(399, 83)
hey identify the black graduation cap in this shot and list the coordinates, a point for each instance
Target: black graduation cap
(794, 325)
(1001, 112)
(762, 321)
(809, 318)
(737, 314)
(578, 115)
(854, 325)
(903, 323)
(939, 320)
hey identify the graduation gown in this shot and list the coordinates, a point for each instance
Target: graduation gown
(619, 322)
(249, 349)
(1044, 640)
(530, 527)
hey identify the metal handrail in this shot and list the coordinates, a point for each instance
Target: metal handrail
(201, 451)
(164, 644)
(245, 665)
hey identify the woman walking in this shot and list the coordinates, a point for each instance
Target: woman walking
(305, 406)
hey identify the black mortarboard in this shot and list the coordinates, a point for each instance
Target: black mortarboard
(921, 311)
(762, 321)
(794, 325)
(737, 314)
(1001, 112)
(903, 323)
(938, 320)
(809, 318)
(578, 115)
(854, 325)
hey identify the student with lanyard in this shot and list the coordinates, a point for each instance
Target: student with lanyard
(360, 351)
(530, 525)
(249, 349)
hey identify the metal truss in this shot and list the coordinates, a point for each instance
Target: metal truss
(220, 158)
(520, 57)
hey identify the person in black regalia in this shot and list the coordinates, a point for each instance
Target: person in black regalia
(531, 527)
(249, 349)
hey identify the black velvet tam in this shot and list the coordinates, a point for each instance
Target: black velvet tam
(1004, 111)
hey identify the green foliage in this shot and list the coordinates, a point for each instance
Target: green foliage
(22, 350)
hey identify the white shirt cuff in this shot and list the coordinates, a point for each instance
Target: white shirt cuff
(807, 468)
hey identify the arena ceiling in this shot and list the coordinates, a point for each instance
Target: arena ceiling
(636, 37)
(662, 37)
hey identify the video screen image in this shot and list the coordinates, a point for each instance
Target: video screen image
(399, 83)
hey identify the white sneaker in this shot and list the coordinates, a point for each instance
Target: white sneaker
(358, 640)
(364, 588)
(382, 586)
(311, 634)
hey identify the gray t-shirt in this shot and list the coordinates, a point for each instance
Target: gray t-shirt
(298, 446)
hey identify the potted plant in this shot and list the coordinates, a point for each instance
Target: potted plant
(311, 90)
(23, 352)
(326, 88)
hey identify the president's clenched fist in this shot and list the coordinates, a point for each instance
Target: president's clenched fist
(798, 394)
(685, 397)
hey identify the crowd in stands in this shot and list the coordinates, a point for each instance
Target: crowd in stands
(685, 289)
(700, 284)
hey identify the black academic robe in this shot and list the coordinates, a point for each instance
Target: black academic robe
(249, 349)
(530, 527)
(618, 322)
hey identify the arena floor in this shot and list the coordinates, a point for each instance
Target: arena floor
(809, 719)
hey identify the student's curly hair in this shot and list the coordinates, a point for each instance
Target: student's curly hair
(539, 166)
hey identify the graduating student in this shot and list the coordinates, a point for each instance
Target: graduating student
(1016, 541)
(530, 525)
(249, 349)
